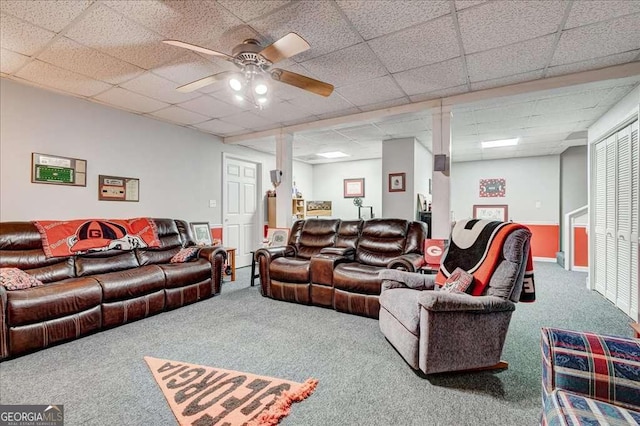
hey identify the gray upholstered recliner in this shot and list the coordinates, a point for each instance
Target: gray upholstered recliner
(436, 331)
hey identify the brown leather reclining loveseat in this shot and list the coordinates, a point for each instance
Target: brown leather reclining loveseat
(335, 263)
(86, 293)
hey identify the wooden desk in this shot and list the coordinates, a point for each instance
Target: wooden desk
(231, 258)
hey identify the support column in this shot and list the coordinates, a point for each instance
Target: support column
(284, 163)
(441, 188)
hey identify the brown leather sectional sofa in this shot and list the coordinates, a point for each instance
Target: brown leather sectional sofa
(86, 293)
(334, 263)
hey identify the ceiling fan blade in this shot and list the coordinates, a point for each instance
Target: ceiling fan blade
(195, 85)
(303, 82)
(198, 49)
(284, 48)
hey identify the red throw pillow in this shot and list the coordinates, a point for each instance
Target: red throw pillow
(460, 281)
(185, 255)
(17, 279)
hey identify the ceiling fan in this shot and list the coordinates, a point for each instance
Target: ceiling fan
(254, 62)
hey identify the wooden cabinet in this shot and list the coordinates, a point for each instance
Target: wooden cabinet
(297, 210)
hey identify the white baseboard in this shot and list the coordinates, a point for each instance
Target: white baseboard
(545, 259)
(580, 268)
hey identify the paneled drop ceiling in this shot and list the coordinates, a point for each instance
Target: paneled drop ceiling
(378, 54)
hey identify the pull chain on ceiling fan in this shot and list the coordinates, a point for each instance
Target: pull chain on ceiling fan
(254, 62)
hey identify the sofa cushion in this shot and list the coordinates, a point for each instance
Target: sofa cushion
(131, 283)
(103, 262)
(290, 270)
(52, 301)
(316, 234)
(357, 278)
(460, 281)
(16, 279)
(381, 241)
(566, 408)
(185, 255)
(183, 274)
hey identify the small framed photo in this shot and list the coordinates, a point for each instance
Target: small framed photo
(278, 237)
(353, 188)
(397, 182)
(202, 233)
(491, 212)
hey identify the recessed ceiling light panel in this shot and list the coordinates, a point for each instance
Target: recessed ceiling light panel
(333, 154)
(500, 143)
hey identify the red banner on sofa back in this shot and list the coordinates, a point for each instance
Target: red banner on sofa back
(66, 238)
(433, 250)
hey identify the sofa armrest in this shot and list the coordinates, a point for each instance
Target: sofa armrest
(271, 253)
(606, 368)
(264, 257)
(339, 251)
(394, 278)
(216, 255)
(407, 262)
(442, 301)
(4, 334)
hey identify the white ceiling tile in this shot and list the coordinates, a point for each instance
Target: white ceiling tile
(615, 94)
(191, 67)
(557, 119)
(513, 124)
(575, 101)
(463, 4)
(362, 132)
(219, 127)
(588, 12)
(319, 105)
(375, 18)
(128, 100)
(513, 59)
(449, 91)
(21, 37)
(205, 23)
(113, 34)
(57, 78)
(10, 61)
(248, 120)
(506, 81)
(158, 88)
(398, 129)
(250, 9)
(607, 61)
(68, 54)
(303, 18)
(459, 118)
(210, 106)
(338, 113)
(490, 115)
(372, 91)
(180, 116)
(501, 23)
(347, 66)
(432, 77)
(462, 131)
(52, 15)
(597, 40)
(279, 112)
(428, 43)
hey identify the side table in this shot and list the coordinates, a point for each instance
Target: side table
(231, 258)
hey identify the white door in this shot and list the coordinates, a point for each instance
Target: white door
(635, 220)
(600, 217)
(623, 221)
(240, 212)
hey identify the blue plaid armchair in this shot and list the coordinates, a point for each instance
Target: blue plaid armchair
(589, 379)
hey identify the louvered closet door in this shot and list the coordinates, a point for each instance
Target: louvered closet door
(600, 220)
(610, 223)
(635, 218)
(623, 221)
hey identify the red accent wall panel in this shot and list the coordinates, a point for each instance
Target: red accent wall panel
(545, 240)
(580, 246)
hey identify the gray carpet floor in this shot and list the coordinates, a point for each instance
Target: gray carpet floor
(103, 380)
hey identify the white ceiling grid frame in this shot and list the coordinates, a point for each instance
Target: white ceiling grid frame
(159, 88)
(217, 126)
(30, 39)
(53, 16)
(180, 116)
(372, 91)
(10, 61)
(60, 79)
(130, 101)
(214, 107)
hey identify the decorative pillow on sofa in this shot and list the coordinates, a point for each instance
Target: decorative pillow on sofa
(185, 255)
(17, 279)
(460, 281)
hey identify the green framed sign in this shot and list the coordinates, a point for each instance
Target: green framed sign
(58, 170)
(54, 174)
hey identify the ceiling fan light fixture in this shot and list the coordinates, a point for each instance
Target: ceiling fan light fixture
(262, 100)
(239, 97)
(260, 88)
(235, 83)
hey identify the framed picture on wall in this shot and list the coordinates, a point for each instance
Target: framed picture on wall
(277, 237)
(397, 182)
(354, 188)
(491, 212)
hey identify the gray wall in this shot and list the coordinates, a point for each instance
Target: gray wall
(573, 183)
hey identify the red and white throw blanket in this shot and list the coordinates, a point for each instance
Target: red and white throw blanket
(476, 247)
(66, 238)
